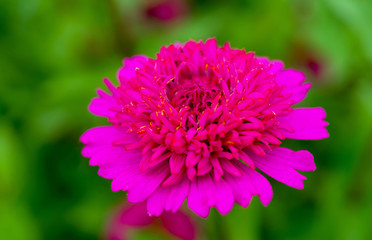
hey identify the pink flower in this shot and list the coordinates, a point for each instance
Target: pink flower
(135, 217)
(197, 123)
(166, 10)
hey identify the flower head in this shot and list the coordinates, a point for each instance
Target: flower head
(134, 217)
(197, 123)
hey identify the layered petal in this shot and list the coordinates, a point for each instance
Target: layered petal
(293, 82)
(124, 180)
(98, 138)
(299, 160)
(102, 105)
(140, 185)
(144, 184)
(275, 65)
(168, 198)
(305, 124)
(250, 184)
(177, 195)
(282, 163)
(114, 160)
(206, 193)
(128, 71)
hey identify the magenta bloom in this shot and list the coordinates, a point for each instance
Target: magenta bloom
(135, 217)
(197, 123)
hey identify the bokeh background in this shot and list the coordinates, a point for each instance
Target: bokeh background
(55, 53)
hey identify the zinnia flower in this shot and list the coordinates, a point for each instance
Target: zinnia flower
(199, 122)
(134, 217)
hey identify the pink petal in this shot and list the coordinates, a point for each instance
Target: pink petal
(126, 217)
(300, 160)
(239, 186)
(168, 198)
(144, 184)
(156, 202)
(275, 65)
(250, 184)
(136, 215)
(282, 164)
(97, 138)
(305, 124)
(230, 168)
(195, 202)
(101, 135)
(293, 80)
(128, 71)
(177, 195)
(113, 160)
(102, 104)
(206, 193)
(124, 180)
(261, 186)
(224, 196)
(179, 225)
(264, 60)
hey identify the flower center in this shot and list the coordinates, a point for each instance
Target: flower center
(195, 92)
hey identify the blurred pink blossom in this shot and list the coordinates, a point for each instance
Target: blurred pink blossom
(165, 10)
(135, 217)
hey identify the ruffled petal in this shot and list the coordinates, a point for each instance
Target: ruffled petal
(168, 198)
(100, 135)
(102, 105)
(275, 65)
(206, 193)
(305, 124)
(124, 180)
(177, 195)
(97, 138)
(113, 160)
(128, 71)
(195, 200)
(239, 186)
(281, 164)
(299, 160)
(156, 202)
(144, 184)
(224, 197)
(179, 225)
(293, 80)
(250, 184)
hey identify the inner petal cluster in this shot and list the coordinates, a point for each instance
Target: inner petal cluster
(200, 109)
(197, 92)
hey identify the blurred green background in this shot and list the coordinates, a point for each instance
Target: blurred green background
(55, 53)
